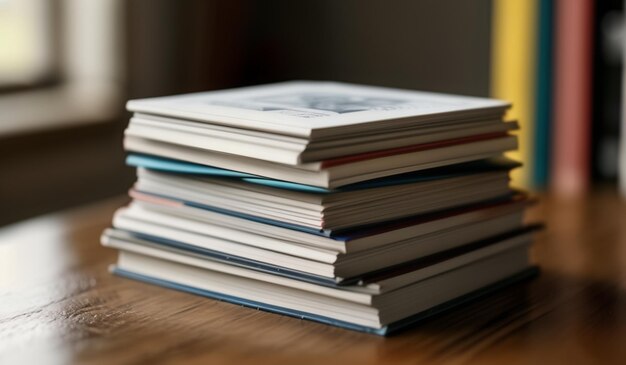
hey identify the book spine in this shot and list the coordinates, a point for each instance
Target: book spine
(513, 70)
(572, 96)
(622, 160)
(543, 95)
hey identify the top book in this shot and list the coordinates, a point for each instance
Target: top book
(320, 110)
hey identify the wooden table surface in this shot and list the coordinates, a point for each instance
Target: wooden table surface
(58, 304)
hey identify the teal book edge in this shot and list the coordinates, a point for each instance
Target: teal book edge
(384, 331)
(543, 95)
(187, 168)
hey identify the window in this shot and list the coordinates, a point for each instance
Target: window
(78, 44)
(26, 41)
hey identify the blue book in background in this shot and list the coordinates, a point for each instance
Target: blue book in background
(543, 95)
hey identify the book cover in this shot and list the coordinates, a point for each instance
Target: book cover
(306, 108)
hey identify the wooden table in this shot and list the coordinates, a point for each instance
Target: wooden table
(58, 304)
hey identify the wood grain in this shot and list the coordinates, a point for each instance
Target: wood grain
(58, 304)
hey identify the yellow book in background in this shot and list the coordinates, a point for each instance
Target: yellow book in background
(513, 73)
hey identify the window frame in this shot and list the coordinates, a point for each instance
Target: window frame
(85, 84)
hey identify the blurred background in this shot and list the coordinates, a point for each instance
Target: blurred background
(67, 68)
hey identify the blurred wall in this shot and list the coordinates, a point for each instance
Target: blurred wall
(440, 45)
(178, 46)
(181, 46)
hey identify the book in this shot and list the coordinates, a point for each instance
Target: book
(324, 134)
(344, 170)
(572, 97)
(543, 95)
(513, 78)
(358, 205)
(342, 241)
(622, 143)
(292, 150)
(362, 207)
(316, 110)
(191, 235)
(377, 304)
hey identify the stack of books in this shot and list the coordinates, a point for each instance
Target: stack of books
(361, 207)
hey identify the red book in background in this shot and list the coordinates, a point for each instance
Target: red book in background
(572, 96)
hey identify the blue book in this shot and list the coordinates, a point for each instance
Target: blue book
(543, 95)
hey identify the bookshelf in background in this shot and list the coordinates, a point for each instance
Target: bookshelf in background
(560, 62)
